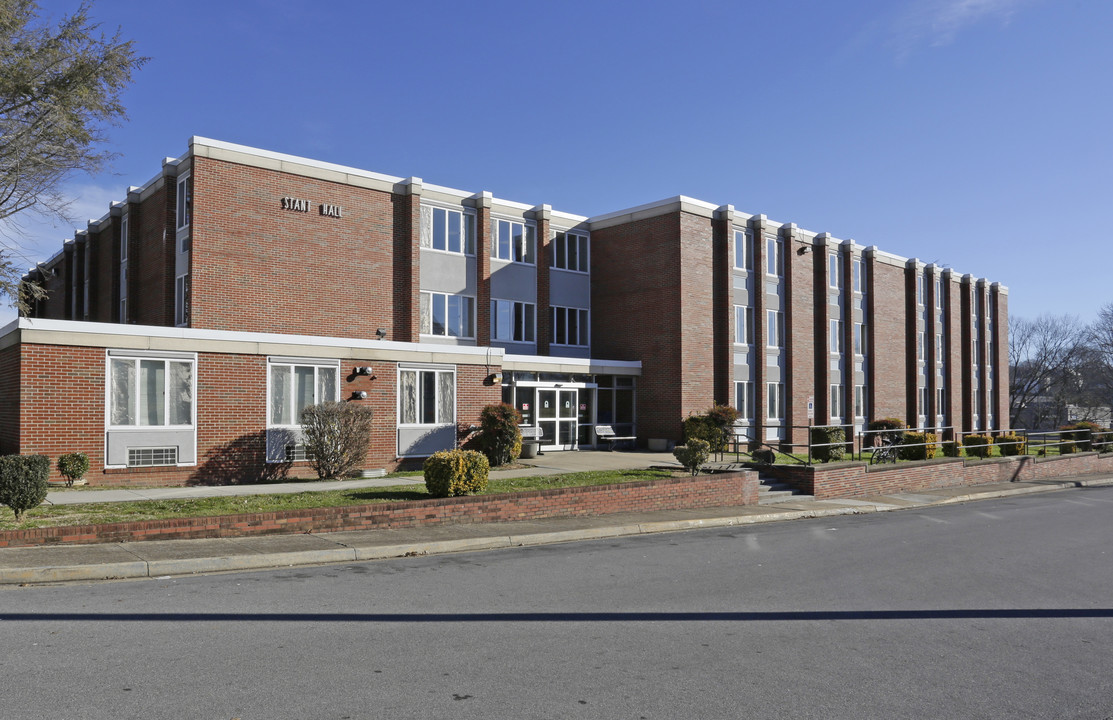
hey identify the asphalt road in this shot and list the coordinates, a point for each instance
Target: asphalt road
(996, 609)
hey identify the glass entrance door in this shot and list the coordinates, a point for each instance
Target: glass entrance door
(557, 411)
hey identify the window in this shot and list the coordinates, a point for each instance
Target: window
(453, 231)
(570, 326)
(836, 336)
(744, 399)
(838, 402)
(514, 241)
(938, 293)
(150, 392)
(570, 252)
(181, 300)
(512, 321)
(859, 401)
(295, 386)
(447, 315)
(923, 399)
(774, 328)
(426, 397)
(743, 250)
(774, 262)
(776, 404)
(185, 201)
(834, 270)
(856, 269)
(920, 350)
(940, 395)
(938, 348)
(743, 325)
(919, 289)
(123, 267)
(859, 338)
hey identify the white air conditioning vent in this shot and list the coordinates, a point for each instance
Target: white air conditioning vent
(152, 457)
(297, 453)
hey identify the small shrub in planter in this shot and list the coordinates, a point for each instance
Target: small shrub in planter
(456, 472)
(826, 452)
(23, 482)
(336, 437)
(912, 449)
(499, 435)
(1078, 435)
(952, 448)
(1010, 445)
(693, 455)
(73, 466)
(977, 445)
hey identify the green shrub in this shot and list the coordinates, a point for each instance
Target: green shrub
(1010, 445)
(912, 447)
(693, 455)
(23, 482)
(952, 448)
(73, 466)
(893, 424)
(1077, 437)
(336, 437)
(499, 434)
(456, 472)
(826, 452)
(977, 445)
(716, 427)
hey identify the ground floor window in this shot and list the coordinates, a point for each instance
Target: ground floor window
(295, 385)
(744, 399)
(151, 392)
(776, 401)
(426, 397)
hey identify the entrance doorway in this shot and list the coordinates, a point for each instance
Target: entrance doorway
(557, 413)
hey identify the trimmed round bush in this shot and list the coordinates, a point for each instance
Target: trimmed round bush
(23, 482)
(1010, 445)
(456, 472)
(952, 448)
(977, 445)
(499, 435)
(913, 449)
(73, 466)
(693, 455)
(828, 453)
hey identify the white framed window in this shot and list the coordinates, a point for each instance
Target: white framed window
(834, 270)
(151, 392)
(938, 348)
(181, 300)
(856, 274)
(185, 201)
(940, 396)
(774, 328)
(452, 231)
(919, 289)
(124, 267)
(514, 241)
(920, 349)
(938, 293)
(836, 336)
(775, 396)
(743, 250)
(569, 326)
(447, 315)
(743, 325)
(838, 402)
(294, 384)
(744, 399)
(859, 338)
(859, 402)
(922, 392)
(570, 252)
(774, 259)
(426, 396)
(513, 321)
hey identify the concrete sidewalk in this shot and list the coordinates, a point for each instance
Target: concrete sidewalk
(183, 557)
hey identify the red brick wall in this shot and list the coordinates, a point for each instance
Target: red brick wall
(9, 400)
(257, 267)
(150, 286)
(888, 341)
(738, 488)
(807, 328)
(407, 268)
(1001, 368)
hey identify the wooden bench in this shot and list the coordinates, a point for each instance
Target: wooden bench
(606, 432)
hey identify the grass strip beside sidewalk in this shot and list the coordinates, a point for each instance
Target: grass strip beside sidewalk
(139, 510)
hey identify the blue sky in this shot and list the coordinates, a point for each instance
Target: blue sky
(975, 134)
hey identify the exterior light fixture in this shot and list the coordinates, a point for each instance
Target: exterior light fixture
(380, 333)
(359, 395)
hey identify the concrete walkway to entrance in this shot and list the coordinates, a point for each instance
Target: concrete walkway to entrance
(550, 463)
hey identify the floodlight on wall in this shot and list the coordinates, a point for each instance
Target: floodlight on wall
(362, 370)
(359, 395)
(803, 249)
(380, 333)
(493, 379)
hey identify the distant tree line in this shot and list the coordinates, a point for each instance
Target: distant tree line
(1060, 370)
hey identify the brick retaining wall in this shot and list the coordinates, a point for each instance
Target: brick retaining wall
(738, 488)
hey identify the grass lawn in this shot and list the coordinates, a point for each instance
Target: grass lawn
(99, 513)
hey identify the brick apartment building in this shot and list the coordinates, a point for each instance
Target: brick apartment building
(184, 330)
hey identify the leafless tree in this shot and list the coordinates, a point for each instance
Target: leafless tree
(1044, 358)
(59, 91)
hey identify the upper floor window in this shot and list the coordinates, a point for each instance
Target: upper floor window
(774, 328)
(919, 289)
(774, 261)
(859, 401)
(453, 231)
(123, 267)
(447, 315)
(514, 241)
(743, 250)
(836, 336)
(775, 397)
(938, 293)
(834, 270)
(570, 252)
(856, 274)
(838, 402)
(859, 339)
(185, 201)
(512, 321)
(150, 392)
(294, 386)
(181, 300)
(570, 326)
(743, 325)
